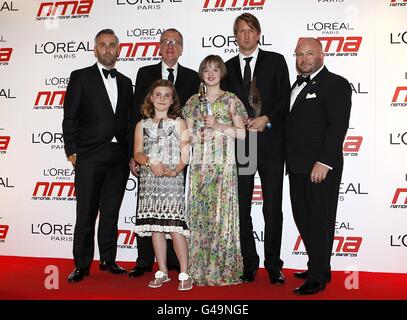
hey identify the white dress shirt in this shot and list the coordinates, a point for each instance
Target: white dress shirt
(165, 72)
(111, 88)
(296, 91)
(252, 62)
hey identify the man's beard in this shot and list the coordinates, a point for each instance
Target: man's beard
(107, 60)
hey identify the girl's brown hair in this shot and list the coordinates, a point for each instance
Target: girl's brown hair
(214, 60)
(147, 109)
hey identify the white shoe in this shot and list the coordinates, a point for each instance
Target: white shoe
(185, 282)
(159, 279)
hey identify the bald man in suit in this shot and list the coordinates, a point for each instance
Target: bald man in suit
(316, 128)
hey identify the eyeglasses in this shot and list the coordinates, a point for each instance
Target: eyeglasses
(308, 54)
(173, 42)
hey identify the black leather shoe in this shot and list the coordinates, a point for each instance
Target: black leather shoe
(174, 267)
(304, 275)
(248, 276)
(112, 267)
(301, 275)
(78, 274)
(277, 278)
(310, 287)
(138, 271)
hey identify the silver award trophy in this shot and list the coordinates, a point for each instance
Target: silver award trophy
(160, 142)
(255, 98)
(205, 107)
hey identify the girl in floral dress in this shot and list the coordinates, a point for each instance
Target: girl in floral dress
(213, 212)
(161, 148)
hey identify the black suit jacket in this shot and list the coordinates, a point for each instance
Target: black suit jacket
(317, 123)
(89, 121)
(273, 82)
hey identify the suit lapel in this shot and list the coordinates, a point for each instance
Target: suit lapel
(157, 74)
(257, 67)
(301, 96)
(239, 78)
(180, 78)
(119, 81)
(100, 87)
(259, 62)
(310, 87)
(238, 72)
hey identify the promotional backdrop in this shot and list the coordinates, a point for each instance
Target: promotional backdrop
(365, 41)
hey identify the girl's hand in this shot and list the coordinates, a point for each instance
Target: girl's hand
(167, 172)
(157, 168)
(210, 122)
(134, 168)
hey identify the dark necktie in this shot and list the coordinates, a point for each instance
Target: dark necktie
(301, 79)
(112, 72)
(171, 75)
(247, 75)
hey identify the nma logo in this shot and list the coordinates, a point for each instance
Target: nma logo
(64, 9)
(397, 97)
(232, 5)
(397, 202)
(55, 190)
(140, 51)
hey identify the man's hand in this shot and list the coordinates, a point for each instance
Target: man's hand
(318, 173)
(72, 159)
(134, 168)
(257, 124)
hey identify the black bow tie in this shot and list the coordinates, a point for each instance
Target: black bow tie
(112, 72)
(301, 79)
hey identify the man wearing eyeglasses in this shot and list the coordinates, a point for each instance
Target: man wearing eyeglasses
(186, 83)
(315, 129)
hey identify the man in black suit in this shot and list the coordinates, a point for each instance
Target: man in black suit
(186, 83)
(96, 135)
(264, 143)
(316, 127)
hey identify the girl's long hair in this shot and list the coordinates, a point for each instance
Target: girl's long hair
(147, 109)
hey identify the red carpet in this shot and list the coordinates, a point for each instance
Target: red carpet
(25, 279)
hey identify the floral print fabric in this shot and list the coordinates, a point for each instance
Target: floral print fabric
(213, 209)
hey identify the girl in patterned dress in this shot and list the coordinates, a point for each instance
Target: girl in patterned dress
(161, 148)
(213, 210)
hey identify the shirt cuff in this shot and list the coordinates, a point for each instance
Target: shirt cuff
(325, 165)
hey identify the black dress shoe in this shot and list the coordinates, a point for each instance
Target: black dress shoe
(304, 275)
(112, 267)
(310, 287)
(174, 267)
(138, 271)
(301, 275)
(78, 274)
(248, 276)
(277, 278)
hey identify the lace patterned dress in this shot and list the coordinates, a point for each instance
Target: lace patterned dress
(213, 209)
(161, 201)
